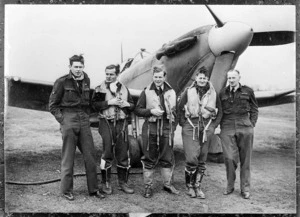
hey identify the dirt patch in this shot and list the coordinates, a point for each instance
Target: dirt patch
(32, 153)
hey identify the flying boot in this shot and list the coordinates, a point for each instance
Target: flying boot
(123, 174)
(106, 180)
(190, 179)
(167, 177)
(148, 181)
(199, 177)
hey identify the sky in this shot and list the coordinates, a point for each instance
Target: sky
(39, 39)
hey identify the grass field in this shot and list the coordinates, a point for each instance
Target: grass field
(32, 153)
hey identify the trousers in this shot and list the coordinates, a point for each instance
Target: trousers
(115, 142)
(76, 132)
(237, 143)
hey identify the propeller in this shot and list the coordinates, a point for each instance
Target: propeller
(218, 21)
(263, 38)
(272, 38)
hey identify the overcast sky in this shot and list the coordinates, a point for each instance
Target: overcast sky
(39, 39)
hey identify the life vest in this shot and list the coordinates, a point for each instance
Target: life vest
(153, 101)
(112, 110)
(194, 106)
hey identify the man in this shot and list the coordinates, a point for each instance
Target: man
(113, 102)
(69, 103)
(198, 108)
(157, 104)
(240, 113)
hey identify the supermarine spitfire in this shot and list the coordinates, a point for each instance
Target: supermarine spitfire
(216, 47)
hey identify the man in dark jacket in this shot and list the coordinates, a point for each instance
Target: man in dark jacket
(240, 113)
(69, 103)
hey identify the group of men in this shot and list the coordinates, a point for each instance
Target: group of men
(70, 103)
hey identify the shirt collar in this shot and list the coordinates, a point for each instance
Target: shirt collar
(235, 88)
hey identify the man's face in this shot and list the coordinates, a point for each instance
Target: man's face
(110, 75)
(76, 68)
(159, 78)
(233, 78)
(201, 80)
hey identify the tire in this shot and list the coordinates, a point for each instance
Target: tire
(135, 151)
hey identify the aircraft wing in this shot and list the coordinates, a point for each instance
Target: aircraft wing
(33, 94)
(269, 98)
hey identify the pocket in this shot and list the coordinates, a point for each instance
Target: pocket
(244, 101)
(247, 123)
(70, 94)
(225, 102)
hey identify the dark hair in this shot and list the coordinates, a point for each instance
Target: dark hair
(76, 58)
(116, 67)
(157, 69)
(202, 70)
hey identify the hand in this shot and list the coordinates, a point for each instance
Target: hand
(157, 112)
(124, 104)
(114, 101)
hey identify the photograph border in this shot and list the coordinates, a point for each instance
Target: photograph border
(150, 2)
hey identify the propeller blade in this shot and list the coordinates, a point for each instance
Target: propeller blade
(272, 38)
(222, 65)
(218, 21)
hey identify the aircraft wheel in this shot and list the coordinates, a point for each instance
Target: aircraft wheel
(215, 157)
(135, 151)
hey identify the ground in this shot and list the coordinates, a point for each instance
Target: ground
(32, 153)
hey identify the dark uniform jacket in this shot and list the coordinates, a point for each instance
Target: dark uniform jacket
(241, 104)
(69, 93)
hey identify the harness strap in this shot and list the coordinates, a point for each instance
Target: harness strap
(194, 128)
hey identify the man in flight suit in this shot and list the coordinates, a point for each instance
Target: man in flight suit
(69, 103)
(240, 113)
(157, 103)
(113, 102)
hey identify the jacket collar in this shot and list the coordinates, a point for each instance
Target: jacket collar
(228, 88)
(166, 86)
(71, 77)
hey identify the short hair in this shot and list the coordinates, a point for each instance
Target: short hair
(234, 70)
(157, 69)
(112, 66)
(76, 58)
(202, 70)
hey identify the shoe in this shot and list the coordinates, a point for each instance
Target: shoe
(97, 194)
(123, 174)
(191, 192)
(171, 189)
(246, 195)
(124, 187)
(148, 192)
(68, 196)
(106, 188)
(199, 193)
(227, 192)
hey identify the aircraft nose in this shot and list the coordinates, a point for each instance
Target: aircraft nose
(232, 37)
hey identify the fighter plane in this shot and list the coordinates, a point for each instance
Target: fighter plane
(216, 47)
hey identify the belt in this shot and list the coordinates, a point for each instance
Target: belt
(75, 109)
(235, 116)
(112, 120)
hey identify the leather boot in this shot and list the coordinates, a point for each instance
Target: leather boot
(106, 183)
(123, 178)
(190, 178)
(167, 177)
(148, 181)
(199, 192)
